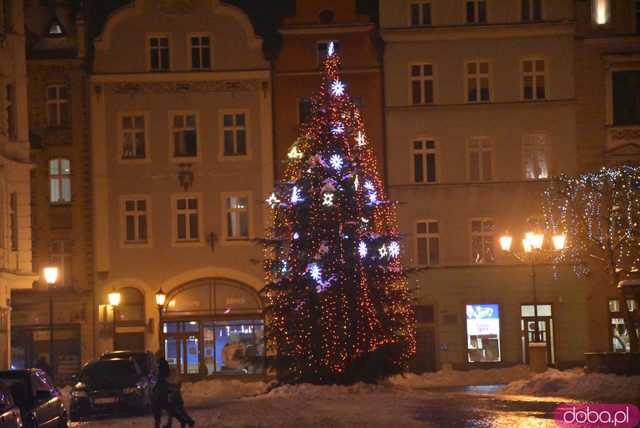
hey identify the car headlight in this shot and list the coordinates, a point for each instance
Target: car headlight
(79, 394)
(130, 390)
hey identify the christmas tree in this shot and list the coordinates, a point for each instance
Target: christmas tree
(339, 309)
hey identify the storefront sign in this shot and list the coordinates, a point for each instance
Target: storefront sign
(483, 333)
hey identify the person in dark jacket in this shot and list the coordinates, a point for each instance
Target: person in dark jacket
(167, 397)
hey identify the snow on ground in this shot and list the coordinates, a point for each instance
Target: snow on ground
(197, 393)
(444, 378)
(578, 385)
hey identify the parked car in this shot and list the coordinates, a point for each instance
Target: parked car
(9, 411)
(109, 386)
(39, 401)
(145, 359)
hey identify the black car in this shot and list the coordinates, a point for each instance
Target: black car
(9, 412)
(145, 360)
(107, 386)
(40, 402)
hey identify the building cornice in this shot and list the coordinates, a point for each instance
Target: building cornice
(259, 74)
(431, 107)
(364, 70)
(490, 31)
(327, 29)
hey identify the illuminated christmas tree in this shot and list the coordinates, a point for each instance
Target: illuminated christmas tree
(339, 308)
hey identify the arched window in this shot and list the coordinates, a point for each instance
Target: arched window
(131, 306)
(60, 181)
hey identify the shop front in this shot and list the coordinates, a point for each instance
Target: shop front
(212, 327)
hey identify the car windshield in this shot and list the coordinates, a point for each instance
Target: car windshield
(140, 359)
(110, 373)
(17, 384)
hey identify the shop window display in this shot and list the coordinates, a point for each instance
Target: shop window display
(483, 333)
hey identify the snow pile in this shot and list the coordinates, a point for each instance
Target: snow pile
(308, 391)
(579, 385)
(197, 392)
(448, 377)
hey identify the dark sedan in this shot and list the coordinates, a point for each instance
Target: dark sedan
(108, 386)
(40, 402)
(145, 360)
(9, 412)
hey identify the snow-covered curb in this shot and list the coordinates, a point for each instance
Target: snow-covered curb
(578, 385)
(444, 378)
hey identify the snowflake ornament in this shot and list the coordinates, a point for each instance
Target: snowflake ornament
(296, 236)
(294, 153)
(373, 197)
(337, 88)
(338, 128)
(315, 272)
(356, 183)
(362, 249)
(382, 251)
(336, 162)
(327, 199)
(368, 185)
(394, 249)
(331, 49)
(295, 195)
(273, 200)
(360, 139)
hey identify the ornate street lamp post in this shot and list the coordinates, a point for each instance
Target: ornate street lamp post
(50, 274)
(161, 298)
(114, 301)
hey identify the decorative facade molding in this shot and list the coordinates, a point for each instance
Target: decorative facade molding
(184, 87)
(175, 6)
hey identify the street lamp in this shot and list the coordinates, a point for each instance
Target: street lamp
(161, 297)
(50, 274)
(532, 244)
(114, 301)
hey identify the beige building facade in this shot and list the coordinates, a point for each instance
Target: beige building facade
(182, 159)
(15, 208)
(480, 113)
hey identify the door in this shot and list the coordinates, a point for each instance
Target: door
(545, 334)
(425, 359)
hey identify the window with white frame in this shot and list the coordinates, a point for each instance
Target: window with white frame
(421, 83)
(133, 128)
(424, 161)
(136, 224)
(323, 49)
(482, 241)
(476, 11)
(531, 10)
(60, 181)
(13, 220)
(10, 111)
(57, 105)
(420, 13)
(534, 81)
(159, 53)
(234, 129)
(185, 135)
(534, 156)
(237, 215)
(480, 159)
(200, 52)
(60, 256)
(187, 219)
(478, 82)
(428, 243)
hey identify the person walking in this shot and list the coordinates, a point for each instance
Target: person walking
(168, 398)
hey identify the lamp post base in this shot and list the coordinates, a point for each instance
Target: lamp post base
(538, 356)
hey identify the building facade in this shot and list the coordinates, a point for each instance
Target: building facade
(182, 160)
(15, 207)
(305, 38)
(480, 113)
(60, 181)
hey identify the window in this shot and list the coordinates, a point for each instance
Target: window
(424, 161)
(421, 83)
(600, 10)
(478, 82)
(6, 16)
(159, 53)
(534, 156)
(483, 333)
(482, 241)
(60, 181)
(187, 219)
(133, 136)
(60, 256)
(200, 52)
(428, 243)
(13, 220)
(619, 333)
(637, 16)
(234, 128)
(131, 307)
(304, 109)
(531, 10)
(185, 135)
(237, 214)
(136, 221)
(323, 48)
(533, 79)
(57, 105)
(10, 109)
(626, 97)
(480, 159)
(476, 11)
(420, 14)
